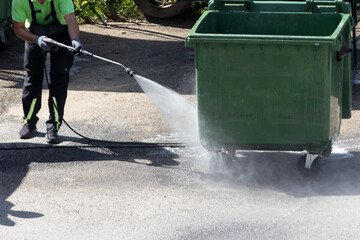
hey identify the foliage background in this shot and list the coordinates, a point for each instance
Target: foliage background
(90, 11)
(93, 11)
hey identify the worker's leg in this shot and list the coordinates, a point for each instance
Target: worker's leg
(61, 63)
(31, 97)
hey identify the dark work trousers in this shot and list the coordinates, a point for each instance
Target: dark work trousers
(60, 63)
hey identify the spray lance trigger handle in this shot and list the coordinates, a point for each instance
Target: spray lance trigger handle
(52, 42)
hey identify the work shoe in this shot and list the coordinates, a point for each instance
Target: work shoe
(52, 136)
(28, 131)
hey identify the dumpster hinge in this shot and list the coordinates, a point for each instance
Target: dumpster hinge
(235, 5)
(330, 6)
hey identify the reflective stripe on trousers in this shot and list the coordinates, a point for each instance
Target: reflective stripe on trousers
(55, 107)
(31, 111)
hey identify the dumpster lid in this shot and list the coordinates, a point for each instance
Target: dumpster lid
(310, 6)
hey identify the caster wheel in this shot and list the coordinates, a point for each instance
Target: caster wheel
(304, 168)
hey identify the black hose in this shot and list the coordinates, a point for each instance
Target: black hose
(117, 145)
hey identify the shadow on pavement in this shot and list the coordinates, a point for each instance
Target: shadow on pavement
(10, 179)
(15, 159)
(338, 174)
(356, 96)
(182, 21)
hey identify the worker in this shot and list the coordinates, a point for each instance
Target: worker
(34, 21)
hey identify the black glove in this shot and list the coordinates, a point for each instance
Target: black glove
(77, 45)
(39, 40)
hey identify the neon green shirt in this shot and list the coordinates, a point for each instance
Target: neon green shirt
(21, 11)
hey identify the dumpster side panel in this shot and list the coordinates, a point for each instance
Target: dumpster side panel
(347, 85)
(265, 96)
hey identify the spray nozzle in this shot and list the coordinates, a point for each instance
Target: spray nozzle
(130, 72)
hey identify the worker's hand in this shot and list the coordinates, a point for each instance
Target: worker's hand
(39, 40)
(77, 45)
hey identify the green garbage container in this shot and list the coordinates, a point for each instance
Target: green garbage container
(5, 13)
(272, 75)
(5, 21)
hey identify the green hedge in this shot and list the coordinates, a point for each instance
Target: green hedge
(92, 11)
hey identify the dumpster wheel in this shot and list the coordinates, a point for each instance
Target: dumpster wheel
(308, 164)
(220, 161)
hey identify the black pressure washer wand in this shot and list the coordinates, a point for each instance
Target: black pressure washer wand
(83, 52)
